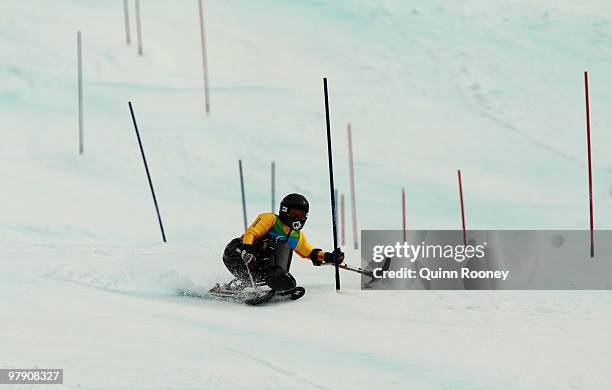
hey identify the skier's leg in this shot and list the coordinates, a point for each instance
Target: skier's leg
(233, 260)
(279, 279)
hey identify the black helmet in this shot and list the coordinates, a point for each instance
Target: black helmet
(294, 211)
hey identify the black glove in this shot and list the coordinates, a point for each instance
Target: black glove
(330, 257)
(247, 254)
(314, 257)
(327, 257)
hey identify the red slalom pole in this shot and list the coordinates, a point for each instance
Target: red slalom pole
(462, 207)
(349, 136)
(342, 222)
(404, 213)
(588, 123)
(204, 59)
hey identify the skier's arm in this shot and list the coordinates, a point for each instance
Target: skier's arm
(262, 224)
(303, 247)
(318, 256)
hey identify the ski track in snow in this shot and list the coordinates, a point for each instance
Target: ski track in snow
(280, 340)
(282, 371)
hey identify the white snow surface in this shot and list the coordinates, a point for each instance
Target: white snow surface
(494, 88)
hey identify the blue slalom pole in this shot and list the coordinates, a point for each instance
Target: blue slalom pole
(144, 159)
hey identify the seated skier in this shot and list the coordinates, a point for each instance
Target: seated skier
(257, 256)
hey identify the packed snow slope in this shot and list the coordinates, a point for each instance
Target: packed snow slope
(493, 88)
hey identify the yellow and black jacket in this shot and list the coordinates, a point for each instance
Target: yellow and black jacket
(270, 225)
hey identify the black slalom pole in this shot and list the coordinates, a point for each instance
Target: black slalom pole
(144, 159)
(244, 214)
(331, 184)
